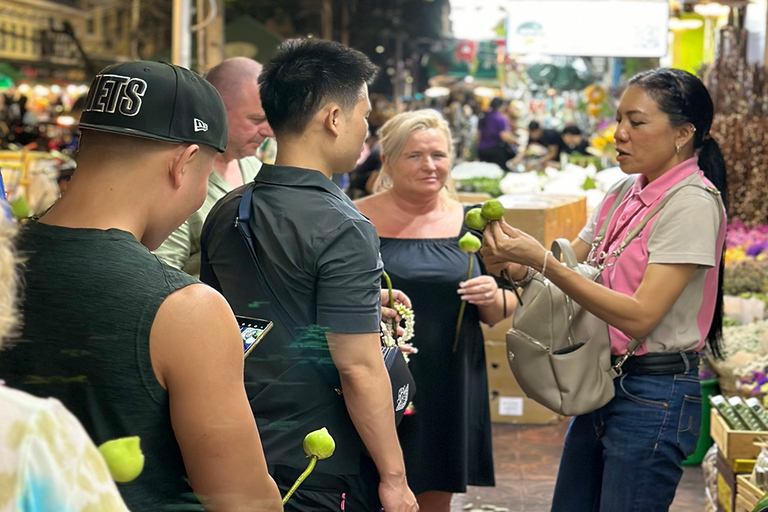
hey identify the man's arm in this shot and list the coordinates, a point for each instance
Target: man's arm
(368, 395)
(552, 150)
(177, 248)
(197, 355)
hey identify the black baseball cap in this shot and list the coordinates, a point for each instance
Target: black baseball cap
(158, 101)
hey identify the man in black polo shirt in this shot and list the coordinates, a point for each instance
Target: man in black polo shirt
(549, 139)
(317, 276)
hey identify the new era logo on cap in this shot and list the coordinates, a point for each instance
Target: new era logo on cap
(200, 126)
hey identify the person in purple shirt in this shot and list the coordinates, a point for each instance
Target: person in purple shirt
(495, 138)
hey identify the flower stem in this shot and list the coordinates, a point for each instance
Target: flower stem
(391, 303)
(463, 305)
(305, 474)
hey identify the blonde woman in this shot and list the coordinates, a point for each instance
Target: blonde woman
(447, 442)
(47, 461)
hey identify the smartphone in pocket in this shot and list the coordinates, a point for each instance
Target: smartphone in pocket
(252, 330)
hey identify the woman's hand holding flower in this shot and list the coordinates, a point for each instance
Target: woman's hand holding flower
(480, 291)
(503, 242)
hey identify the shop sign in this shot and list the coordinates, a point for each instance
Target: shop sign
(588, 28)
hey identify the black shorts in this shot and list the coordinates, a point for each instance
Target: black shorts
(329, 493)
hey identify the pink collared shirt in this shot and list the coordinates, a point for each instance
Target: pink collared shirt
(690, 229)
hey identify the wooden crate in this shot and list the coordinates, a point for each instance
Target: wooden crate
(747, 494)
(728, 483)
(734, 444)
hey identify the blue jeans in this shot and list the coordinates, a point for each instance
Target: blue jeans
(627, 456)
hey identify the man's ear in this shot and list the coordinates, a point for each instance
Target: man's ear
(332, 118)
(180, 163)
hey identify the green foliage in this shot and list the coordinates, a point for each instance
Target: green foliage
(485, 185)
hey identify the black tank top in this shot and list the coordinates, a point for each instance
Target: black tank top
(88, 301)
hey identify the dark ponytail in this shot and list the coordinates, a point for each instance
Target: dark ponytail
(685, 99)
(711, 161)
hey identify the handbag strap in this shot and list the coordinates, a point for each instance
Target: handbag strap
(632, 234)
(628, 182)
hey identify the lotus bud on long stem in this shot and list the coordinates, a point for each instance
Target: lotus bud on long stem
(318, 444)
(391, 302)
(463, 305)
(297, 483)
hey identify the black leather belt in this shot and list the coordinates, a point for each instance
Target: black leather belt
(659, 363)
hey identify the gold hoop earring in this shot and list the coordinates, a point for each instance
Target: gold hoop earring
(677, 148)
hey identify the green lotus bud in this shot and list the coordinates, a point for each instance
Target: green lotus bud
(470, 243)
(475, 220)
(493, 209)
(319, 444)
(124, 458)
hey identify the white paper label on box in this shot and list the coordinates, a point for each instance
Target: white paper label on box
(510, 406)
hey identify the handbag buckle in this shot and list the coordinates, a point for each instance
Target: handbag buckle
(617, 366)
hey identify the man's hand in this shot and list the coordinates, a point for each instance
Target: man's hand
(395, 495)
(368, 395)
(398, 297)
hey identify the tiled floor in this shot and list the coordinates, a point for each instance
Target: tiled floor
(526, 459)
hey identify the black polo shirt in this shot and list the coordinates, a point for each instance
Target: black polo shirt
(550, 138)
(319, 271)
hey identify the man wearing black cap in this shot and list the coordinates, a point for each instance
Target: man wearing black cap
(130, 345)
(317, 275)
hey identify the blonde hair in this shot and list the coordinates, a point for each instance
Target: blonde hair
(394, 134)
(8, 279)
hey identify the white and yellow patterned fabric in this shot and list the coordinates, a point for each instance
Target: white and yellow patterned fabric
(47, 461)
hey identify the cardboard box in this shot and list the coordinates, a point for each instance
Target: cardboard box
(747, 494)
(733, 444)
(473, 198)
(547, 218)
(508, 402)
(498, 332)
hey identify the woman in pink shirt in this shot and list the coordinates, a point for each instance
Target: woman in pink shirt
(664, 289)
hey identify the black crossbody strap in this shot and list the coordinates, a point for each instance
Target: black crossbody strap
(242, 225)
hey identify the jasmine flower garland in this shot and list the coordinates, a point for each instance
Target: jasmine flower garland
(390, 339)
(389, 329)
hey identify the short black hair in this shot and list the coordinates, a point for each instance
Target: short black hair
(496, 103)
(307, 74)
(572, 130)
(533, 125)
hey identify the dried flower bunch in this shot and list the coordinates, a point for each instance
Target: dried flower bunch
(740, 93)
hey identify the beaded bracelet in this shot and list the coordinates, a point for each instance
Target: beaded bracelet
(525, 280)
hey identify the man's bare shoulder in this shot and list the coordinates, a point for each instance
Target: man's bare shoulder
(194, 326)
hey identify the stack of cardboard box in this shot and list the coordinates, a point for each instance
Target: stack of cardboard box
(546, 219)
